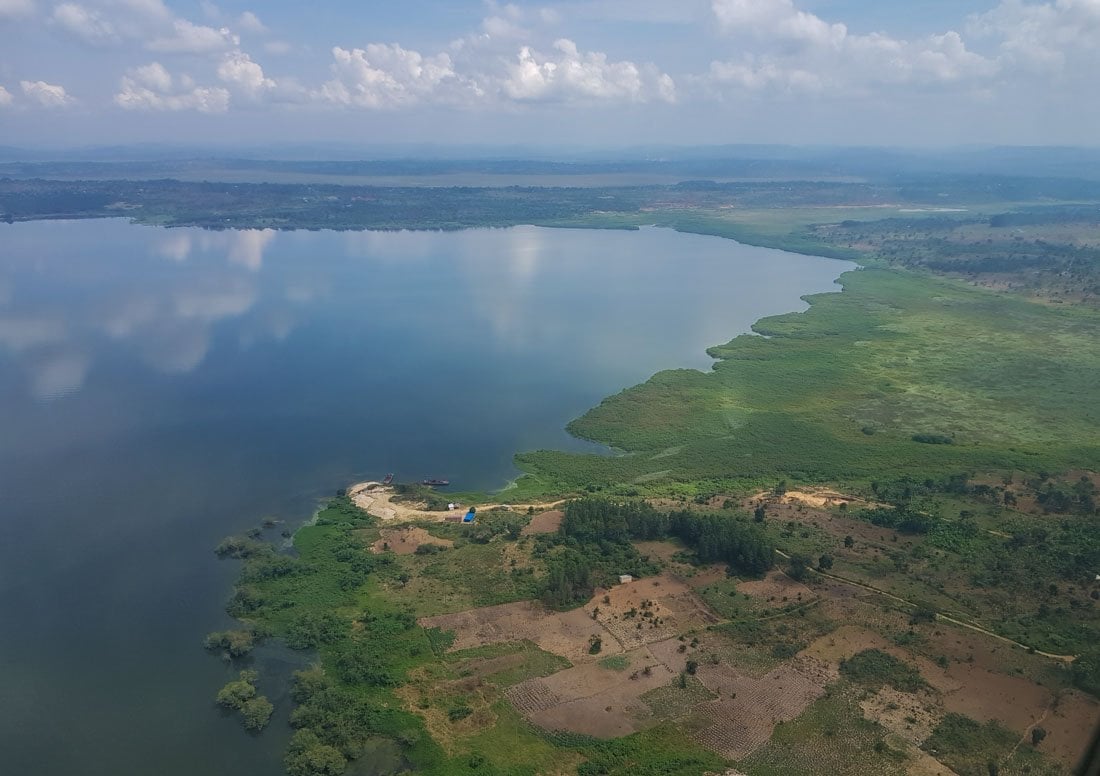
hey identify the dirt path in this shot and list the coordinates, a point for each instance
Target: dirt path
(378, 500)
(940, 615)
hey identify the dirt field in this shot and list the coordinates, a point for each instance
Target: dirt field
(776, 586)
(663, 607)
(748, 708)
(1069, 724)
(544, 523)
(563, 633)
(592, 699)
(405, 540)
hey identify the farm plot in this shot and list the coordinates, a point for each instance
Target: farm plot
(649, 610)
(568, 634)
(544, 523)
(406, 540)
(593, 699)
(748, 708)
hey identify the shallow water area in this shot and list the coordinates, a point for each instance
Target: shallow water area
(162, 388)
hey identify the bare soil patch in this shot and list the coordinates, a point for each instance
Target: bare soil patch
(1069, 724)
(563, 633)
(984, 695)
(748, 708)
(776, 585)
(593, 700)
(662, 551)
(406, 540)
(544, 523)
(912, 716)
(650, 610)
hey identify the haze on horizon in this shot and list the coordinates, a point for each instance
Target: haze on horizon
(598, 73)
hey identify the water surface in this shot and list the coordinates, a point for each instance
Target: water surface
(160, 389)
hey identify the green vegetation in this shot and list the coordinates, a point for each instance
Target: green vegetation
(968, 748)
(232, 643)
(240, 695)
(959, 415)
(884, 353)
(831, 736)
(875, 668)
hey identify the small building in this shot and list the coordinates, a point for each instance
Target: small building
(624, 578)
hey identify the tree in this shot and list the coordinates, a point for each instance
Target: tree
(759, 514)
(238, 692)
(849, 542)
(307, 756)
(799, 566)
(1037, 735)
(825, 562)
(256, 713)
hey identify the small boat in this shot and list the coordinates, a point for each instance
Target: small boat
(388, 479)
(436, 483)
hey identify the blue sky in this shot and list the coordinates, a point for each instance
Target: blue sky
(601, 73)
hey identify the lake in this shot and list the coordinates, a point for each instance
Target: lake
(163, 388)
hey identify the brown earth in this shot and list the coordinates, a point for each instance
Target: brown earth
(406, 539)
(664, 606)
(563, 633)
(544, 523)
(592, 699)
(1069, 724)
(748, 708)
(776, 586)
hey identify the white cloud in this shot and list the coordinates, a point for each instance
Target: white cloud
(797, 51)
(389, 76)
(250, 22)
(13, 9)
(239, 71)
(45, 94)
(1041, 37)
(88, 25)
(570, 74)
(152, 87)
(5, 97)
(190, 38)
(482, 70)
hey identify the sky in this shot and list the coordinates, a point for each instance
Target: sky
(596, 74)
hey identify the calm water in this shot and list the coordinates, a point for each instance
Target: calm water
(160, 389)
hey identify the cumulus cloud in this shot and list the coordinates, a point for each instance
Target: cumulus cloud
(88, 25)
(152, 87)
(1041, 37)
(5, 97)
(389, 76)
(45, 94)
(568, 74)
(804, 53)
(13, 9)
(239, 71)
(478, 70)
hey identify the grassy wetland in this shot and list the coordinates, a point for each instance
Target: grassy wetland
(865, 541)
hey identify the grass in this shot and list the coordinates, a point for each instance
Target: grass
(615, 663)
(831, 736)
(674, 701)
(838, 392)
(968, 747)
(875, 668)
